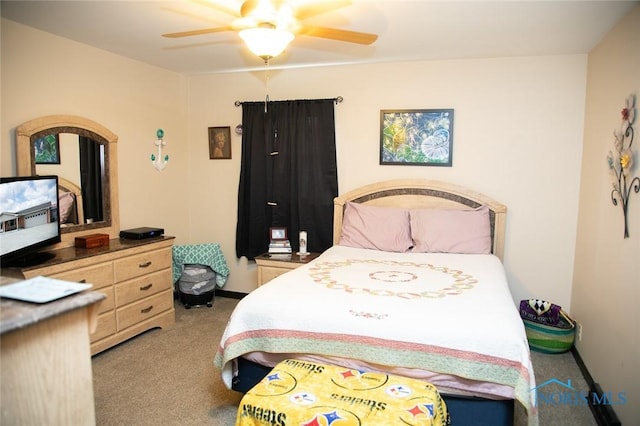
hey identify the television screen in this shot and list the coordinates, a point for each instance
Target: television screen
(28, 218)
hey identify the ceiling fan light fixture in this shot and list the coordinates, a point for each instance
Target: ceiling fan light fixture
(266, 42)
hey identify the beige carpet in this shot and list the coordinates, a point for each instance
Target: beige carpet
(167, 377)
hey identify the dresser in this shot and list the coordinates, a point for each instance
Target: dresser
(273, 265)
(134, 276)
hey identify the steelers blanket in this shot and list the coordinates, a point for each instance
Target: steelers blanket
(311, 394)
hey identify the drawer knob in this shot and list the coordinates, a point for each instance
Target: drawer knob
(145, 264)
(146, 287)
(146, 310)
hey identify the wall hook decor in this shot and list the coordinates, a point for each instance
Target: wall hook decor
(158, 161)
(621, 162)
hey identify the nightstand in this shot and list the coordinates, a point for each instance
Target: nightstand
(270, 266)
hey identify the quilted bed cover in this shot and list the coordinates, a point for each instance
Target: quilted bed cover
(449, 319)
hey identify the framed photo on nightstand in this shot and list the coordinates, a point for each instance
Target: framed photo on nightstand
(278, 234)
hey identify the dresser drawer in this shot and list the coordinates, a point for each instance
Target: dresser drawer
(100, 275)
(141, 264)
(270, 266)
(109, 303)
(106, 326)
(146, 308)
(267, 273)
(142, 287)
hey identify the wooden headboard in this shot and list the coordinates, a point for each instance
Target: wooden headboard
(68, 186)
(419, 193)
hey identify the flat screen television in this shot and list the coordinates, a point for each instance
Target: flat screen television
(29, 219)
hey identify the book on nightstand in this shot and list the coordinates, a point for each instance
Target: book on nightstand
(279, 246)
(280, 256)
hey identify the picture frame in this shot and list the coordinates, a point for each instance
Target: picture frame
(418, 137)
(220, 143)
(47, 149)
(278, 234)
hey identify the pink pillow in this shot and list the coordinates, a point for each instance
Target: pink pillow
(379, 228)
(451, 231)
(65, 205)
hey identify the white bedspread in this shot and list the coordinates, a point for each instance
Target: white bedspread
(422, 315)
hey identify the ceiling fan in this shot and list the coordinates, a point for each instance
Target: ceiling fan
(268, 26)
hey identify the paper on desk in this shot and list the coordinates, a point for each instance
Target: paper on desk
(41, 289)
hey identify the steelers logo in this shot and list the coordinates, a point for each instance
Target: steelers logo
(359, 380)
(327, 416)
(418, 411)
(302, 398)
(276, 383)
(398, 391)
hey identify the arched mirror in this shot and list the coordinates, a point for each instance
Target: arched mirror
(84, 156)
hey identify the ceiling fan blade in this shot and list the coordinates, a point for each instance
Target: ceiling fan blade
(197, 32)
(305, 11)
(340, 35)
(301, 11)
(247, 7)
(217, 6)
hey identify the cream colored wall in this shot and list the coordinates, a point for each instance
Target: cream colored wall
(517, 137)
(606, 284)
(44, 74)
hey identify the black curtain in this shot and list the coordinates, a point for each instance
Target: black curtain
(91, 178)
(288, 175)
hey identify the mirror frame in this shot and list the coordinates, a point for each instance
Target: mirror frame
(26, 135)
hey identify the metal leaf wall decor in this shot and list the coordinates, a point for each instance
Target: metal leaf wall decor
(621, 162)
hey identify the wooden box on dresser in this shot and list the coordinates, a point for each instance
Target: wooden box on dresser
(134, 275)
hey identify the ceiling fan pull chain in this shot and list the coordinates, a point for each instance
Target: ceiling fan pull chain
(266, 99)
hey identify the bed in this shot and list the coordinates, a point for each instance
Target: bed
(413, 286)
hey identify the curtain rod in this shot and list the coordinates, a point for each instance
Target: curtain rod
(337, 100)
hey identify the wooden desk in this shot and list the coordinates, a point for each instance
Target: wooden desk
(46, 361)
